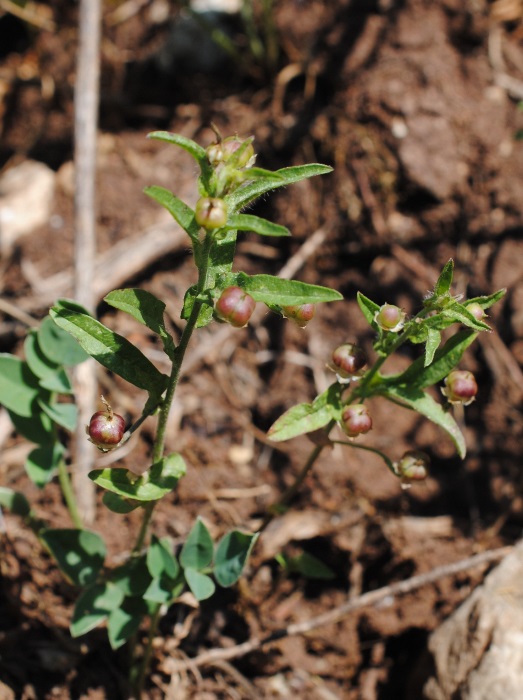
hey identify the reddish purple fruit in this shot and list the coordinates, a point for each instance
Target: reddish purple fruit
(210, 212)
(355, 420)
(390, 318)
(106, 428)
(301, 314)
(460, 387)
(235, 306)
(413, 466)
(476, 310)
(348, 360)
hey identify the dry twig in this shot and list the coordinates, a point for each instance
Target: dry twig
(337, 614)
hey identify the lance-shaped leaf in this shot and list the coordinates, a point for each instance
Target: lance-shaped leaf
(274, 290)
(181, 212)
(445, 359)
(145, 308)
(418, 400)
(248, 222)
(160, 480)
(487, 301)
(110, 349)
(307, 417)
(442, 286)
(193, 148)
(457, 313)
(432, 344)
(368, 308)
(286, 176)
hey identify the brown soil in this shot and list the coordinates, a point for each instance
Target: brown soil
(409, 102)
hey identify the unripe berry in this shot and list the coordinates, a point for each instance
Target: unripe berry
(355, 420)
(210, 212)
(348, 360)
(413, 466)
(235, 307)
(106, 428)
(390, 318)
(301, 314)
(460, 387)
(476, 310)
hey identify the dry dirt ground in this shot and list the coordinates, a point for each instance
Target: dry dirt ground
(415, 104)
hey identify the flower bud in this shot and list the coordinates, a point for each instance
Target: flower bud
(223, 151)
(210, 212)
(476, 310)
(460, 387)
(355, 420)
(106, 428)
(231, 145)
(348, 360)
(390, 318)
(301, 314)
(235, 307)
(413, 466)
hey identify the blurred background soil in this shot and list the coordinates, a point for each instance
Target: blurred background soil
(415, 105)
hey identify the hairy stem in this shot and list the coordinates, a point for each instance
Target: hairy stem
(68, 493)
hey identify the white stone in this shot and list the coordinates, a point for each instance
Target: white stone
(26, 199)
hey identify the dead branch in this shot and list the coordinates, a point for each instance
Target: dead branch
(337, 614)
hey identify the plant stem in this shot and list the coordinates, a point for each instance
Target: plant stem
(159, 447)
(68, 493)
(139, 682)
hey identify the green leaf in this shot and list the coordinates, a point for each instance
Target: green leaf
(198, 550)
(286, 176)
(307, 417)
(487, 301)
(125, 620)
(118, 504)
(42, 463)
(423, 403)
(458, 313)
(205, 314)
(445, 359)
(274, 290)
(38, 363)
(133, 577)
(163, 589)
(64, 414)
(247, 222)
(181, 212)
(57, 383)
(160, 559)
(231, 556)
(444, 283)
(368, 308)
(37, 428)
(201, 585)
(57, 345)
(110, 349)
(432, 344)
(14, 501)
(194, 149)
(145, 308)
(94, 606)
(307, 565)
(160, 480)
(80, 554)
(18, 385)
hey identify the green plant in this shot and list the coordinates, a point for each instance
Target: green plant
(154, 574)
(343, 402)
